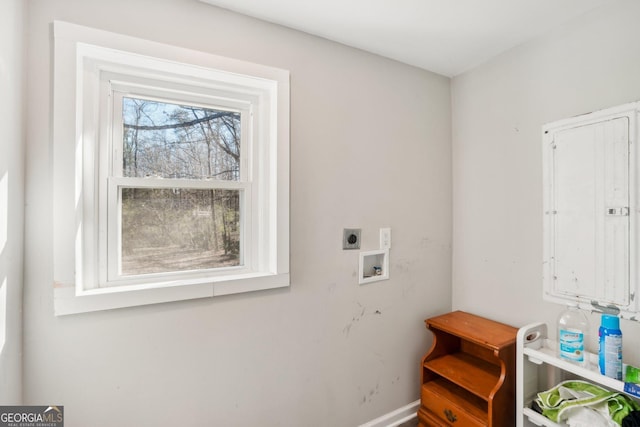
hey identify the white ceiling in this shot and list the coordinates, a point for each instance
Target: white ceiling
(444, 36)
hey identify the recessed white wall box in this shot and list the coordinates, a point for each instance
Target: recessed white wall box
(591, 193)
(374, 266)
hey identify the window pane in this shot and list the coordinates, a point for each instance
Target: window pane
(179, 229)
(179, 141)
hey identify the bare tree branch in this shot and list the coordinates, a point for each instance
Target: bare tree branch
(182, 124)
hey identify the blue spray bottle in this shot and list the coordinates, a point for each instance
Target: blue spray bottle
(610, 354)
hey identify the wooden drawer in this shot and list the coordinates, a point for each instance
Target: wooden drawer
(427, 419)
(452, 406)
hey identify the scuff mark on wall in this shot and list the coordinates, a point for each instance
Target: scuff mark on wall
(362, 312)
(374, 391)
(355, 319)
(370, 395)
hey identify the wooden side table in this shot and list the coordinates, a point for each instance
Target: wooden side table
(468, 375)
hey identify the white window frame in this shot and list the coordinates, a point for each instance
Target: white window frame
(110, 180)
(92, 67)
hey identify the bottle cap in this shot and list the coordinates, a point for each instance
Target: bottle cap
(610, 322)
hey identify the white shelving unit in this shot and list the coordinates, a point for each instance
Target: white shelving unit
(538, 369)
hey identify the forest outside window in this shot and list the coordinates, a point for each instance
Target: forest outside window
(175, 189)
(181, 173)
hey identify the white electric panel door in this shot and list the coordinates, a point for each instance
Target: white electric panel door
(589, 213)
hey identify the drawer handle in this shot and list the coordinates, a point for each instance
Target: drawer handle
(450, 416)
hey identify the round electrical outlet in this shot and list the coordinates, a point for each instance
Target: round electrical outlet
(351, 238)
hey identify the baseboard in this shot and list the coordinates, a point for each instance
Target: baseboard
(395, 418)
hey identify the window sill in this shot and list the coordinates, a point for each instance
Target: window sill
(67, 301)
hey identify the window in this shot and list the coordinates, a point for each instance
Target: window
(180, 170)
(174, 188)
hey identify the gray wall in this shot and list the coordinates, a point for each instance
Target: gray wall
(370, 148)
(12, 131)
(498, 111)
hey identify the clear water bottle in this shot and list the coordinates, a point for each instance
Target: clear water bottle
(610, 354)
(573, 329)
